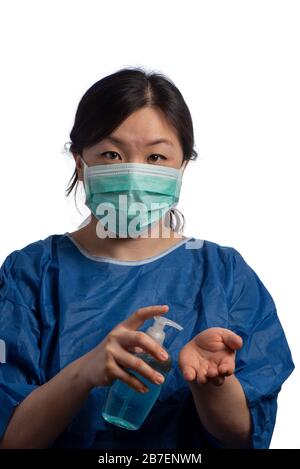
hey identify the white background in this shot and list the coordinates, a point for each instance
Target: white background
(237, 66)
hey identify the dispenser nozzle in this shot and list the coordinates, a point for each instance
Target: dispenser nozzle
(162, 321)
(157, 330)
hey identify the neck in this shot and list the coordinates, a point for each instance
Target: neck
(138, 248)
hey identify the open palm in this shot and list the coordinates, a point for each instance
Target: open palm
(210, 356)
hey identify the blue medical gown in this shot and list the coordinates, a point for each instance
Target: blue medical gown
(57, 303)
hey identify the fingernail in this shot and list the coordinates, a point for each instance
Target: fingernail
(159, 379)
(163, 355)
(144, 390)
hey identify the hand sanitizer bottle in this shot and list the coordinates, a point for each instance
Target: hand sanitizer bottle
(126, 407)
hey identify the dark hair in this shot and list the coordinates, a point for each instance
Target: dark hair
(109, 101)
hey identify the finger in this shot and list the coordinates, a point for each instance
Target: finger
(202, 375)
(226, 367)
(218, 380)
(129, 379)
(142, 314)
(137, 364)
(212, 371)
(136, 350)
(189, 373)
(232, 340)
(201, 379)
(140, 339)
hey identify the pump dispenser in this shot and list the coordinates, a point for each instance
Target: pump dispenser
(126, 407)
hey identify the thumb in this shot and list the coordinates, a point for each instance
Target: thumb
(232, 340)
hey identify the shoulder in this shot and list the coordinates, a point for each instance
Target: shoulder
(218, 249)
(35, 254)
(214, 252)
(22, 272)
(238, 272)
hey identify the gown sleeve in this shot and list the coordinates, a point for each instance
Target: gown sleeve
(264, 362)
(20, 334)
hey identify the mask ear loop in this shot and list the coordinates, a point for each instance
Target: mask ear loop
(87, 220)
(85, 169)
(183, 165)
(173, 213)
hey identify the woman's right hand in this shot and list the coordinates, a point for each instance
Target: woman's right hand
(108, 360)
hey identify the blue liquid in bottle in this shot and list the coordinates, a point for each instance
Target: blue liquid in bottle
(128, 408)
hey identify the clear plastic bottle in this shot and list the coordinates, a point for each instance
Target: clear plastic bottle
(128, 408)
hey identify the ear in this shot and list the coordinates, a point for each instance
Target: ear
(79, 166)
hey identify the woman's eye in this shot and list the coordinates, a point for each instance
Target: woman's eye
(112, 155)
(156, 157)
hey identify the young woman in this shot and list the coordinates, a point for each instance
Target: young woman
(74, 307)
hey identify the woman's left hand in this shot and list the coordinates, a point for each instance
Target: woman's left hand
(210, 356)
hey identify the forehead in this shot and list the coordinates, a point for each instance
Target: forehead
(144, 127)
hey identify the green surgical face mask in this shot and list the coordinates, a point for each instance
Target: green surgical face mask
(127, 198)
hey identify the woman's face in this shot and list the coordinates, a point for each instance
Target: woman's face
(134, 141)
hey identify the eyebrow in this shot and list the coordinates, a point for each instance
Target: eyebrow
(119, 141)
